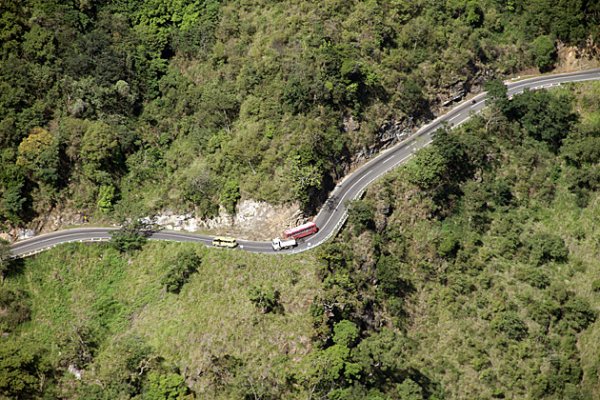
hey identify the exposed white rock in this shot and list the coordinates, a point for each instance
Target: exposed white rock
(76, 372)
(253, 220)
(25, 234)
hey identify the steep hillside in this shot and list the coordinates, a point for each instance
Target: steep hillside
(126, 107)
(471, 272)
(86, 322)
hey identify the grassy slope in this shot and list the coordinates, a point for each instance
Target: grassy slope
(211, 317)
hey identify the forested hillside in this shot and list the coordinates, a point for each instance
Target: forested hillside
(131, 106)
(469, 273)
(472, 272)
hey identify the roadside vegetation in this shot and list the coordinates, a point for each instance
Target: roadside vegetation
(143, 325)
(122, 108)
(470, 272)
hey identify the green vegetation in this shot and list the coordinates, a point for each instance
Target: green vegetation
(472, 272)
(119, 107)
(4, 258)
(131, 236)
(471, 276)
(481, 280)
(92, 310)
(266, 299)
(180, 269)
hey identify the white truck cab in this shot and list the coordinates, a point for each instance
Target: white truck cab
(281, 244)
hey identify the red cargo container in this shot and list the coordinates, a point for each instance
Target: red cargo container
(301, 231)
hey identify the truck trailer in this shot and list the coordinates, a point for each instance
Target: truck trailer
(279, 244)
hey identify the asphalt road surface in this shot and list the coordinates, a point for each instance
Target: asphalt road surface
(333, 214)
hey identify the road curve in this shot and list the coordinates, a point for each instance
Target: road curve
(333, 214)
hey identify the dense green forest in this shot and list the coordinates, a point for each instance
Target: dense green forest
(472, 272)
(469, 273)
(127, 106)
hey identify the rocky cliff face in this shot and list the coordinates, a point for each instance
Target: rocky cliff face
(254, 220)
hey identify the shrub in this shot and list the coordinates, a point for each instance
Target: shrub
(180, 270)
(391, 278)
(544, 52)
(106, 197)
(345, 333)
(578, 313)
(534, 276)
(14, 309)
(131, 236)
(230, 195)
(266, 299)
(361, 216)
(545, 247)
(510, 324)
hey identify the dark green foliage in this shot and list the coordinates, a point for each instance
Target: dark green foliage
(441, 168)
(544, 116)
(497, 93)
(511, 325)
(266, 299)
(391, 274)
(230, 194)
(448, 244)
(333, 257)
(131, 363)
(544, 52)
(23, 373)
(197, 103)
(411, 99)
(596, 286)
(468, 267)
(345, 333)
(578, 314)
(14, 309)
(536, 277)
(168, 386)
(4, 258)
(546, 247)
(361, 215)
(581, 150)
(131, 236)
(410, 390)
(428, 169)
(180, 269)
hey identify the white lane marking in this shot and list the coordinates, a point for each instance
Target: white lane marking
(44, 248)
(537, 84)
(388, 159)
(182, 236)
(37, 242)
(453, 118)
(345, 214)
(345, 194)
(57, 234)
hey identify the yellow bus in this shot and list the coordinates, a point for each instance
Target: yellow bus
(223, 241)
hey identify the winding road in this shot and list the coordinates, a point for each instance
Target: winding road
(333, 214)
